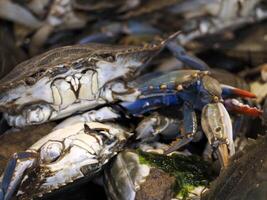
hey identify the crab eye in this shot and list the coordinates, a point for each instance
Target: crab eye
(30, 81)
(51, 151)
(212, 86)
(108, 58)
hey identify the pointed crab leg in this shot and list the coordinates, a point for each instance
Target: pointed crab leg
(217, 126)
(229, 91)
(180, 53)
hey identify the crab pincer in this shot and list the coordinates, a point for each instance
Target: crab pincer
(217, 125)
(192, 90)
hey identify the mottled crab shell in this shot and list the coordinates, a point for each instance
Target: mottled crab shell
(71, 155)
(71, 79)
(48, 64)
(66, 80)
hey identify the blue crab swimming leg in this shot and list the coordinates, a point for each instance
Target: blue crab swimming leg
(13, 173)
(180, 53)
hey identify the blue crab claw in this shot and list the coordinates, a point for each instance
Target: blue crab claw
(217, 126)
(238, 107)
(229, 91)
(71, 154)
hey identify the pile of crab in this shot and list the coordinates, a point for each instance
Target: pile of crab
(108, 110)
(42, 23)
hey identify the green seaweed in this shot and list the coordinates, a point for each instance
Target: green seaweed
(189, 171)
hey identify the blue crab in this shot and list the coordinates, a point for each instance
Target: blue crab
(69, 79)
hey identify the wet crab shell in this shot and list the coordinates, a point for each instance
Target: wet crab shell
(70, 156)
(57, 61)
(65, 80)
(124, 176)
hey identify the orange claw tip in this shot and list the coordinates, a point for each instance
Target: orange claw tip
(244, 93)
(253, 112)
(232, 91)
(235, 106)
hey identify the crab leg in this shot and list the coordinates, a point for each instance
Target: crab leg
(217, 126)
(189, 129)
(236, 106)
(14, 171)
(180, 53)
(229, 91)
(189, 121)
